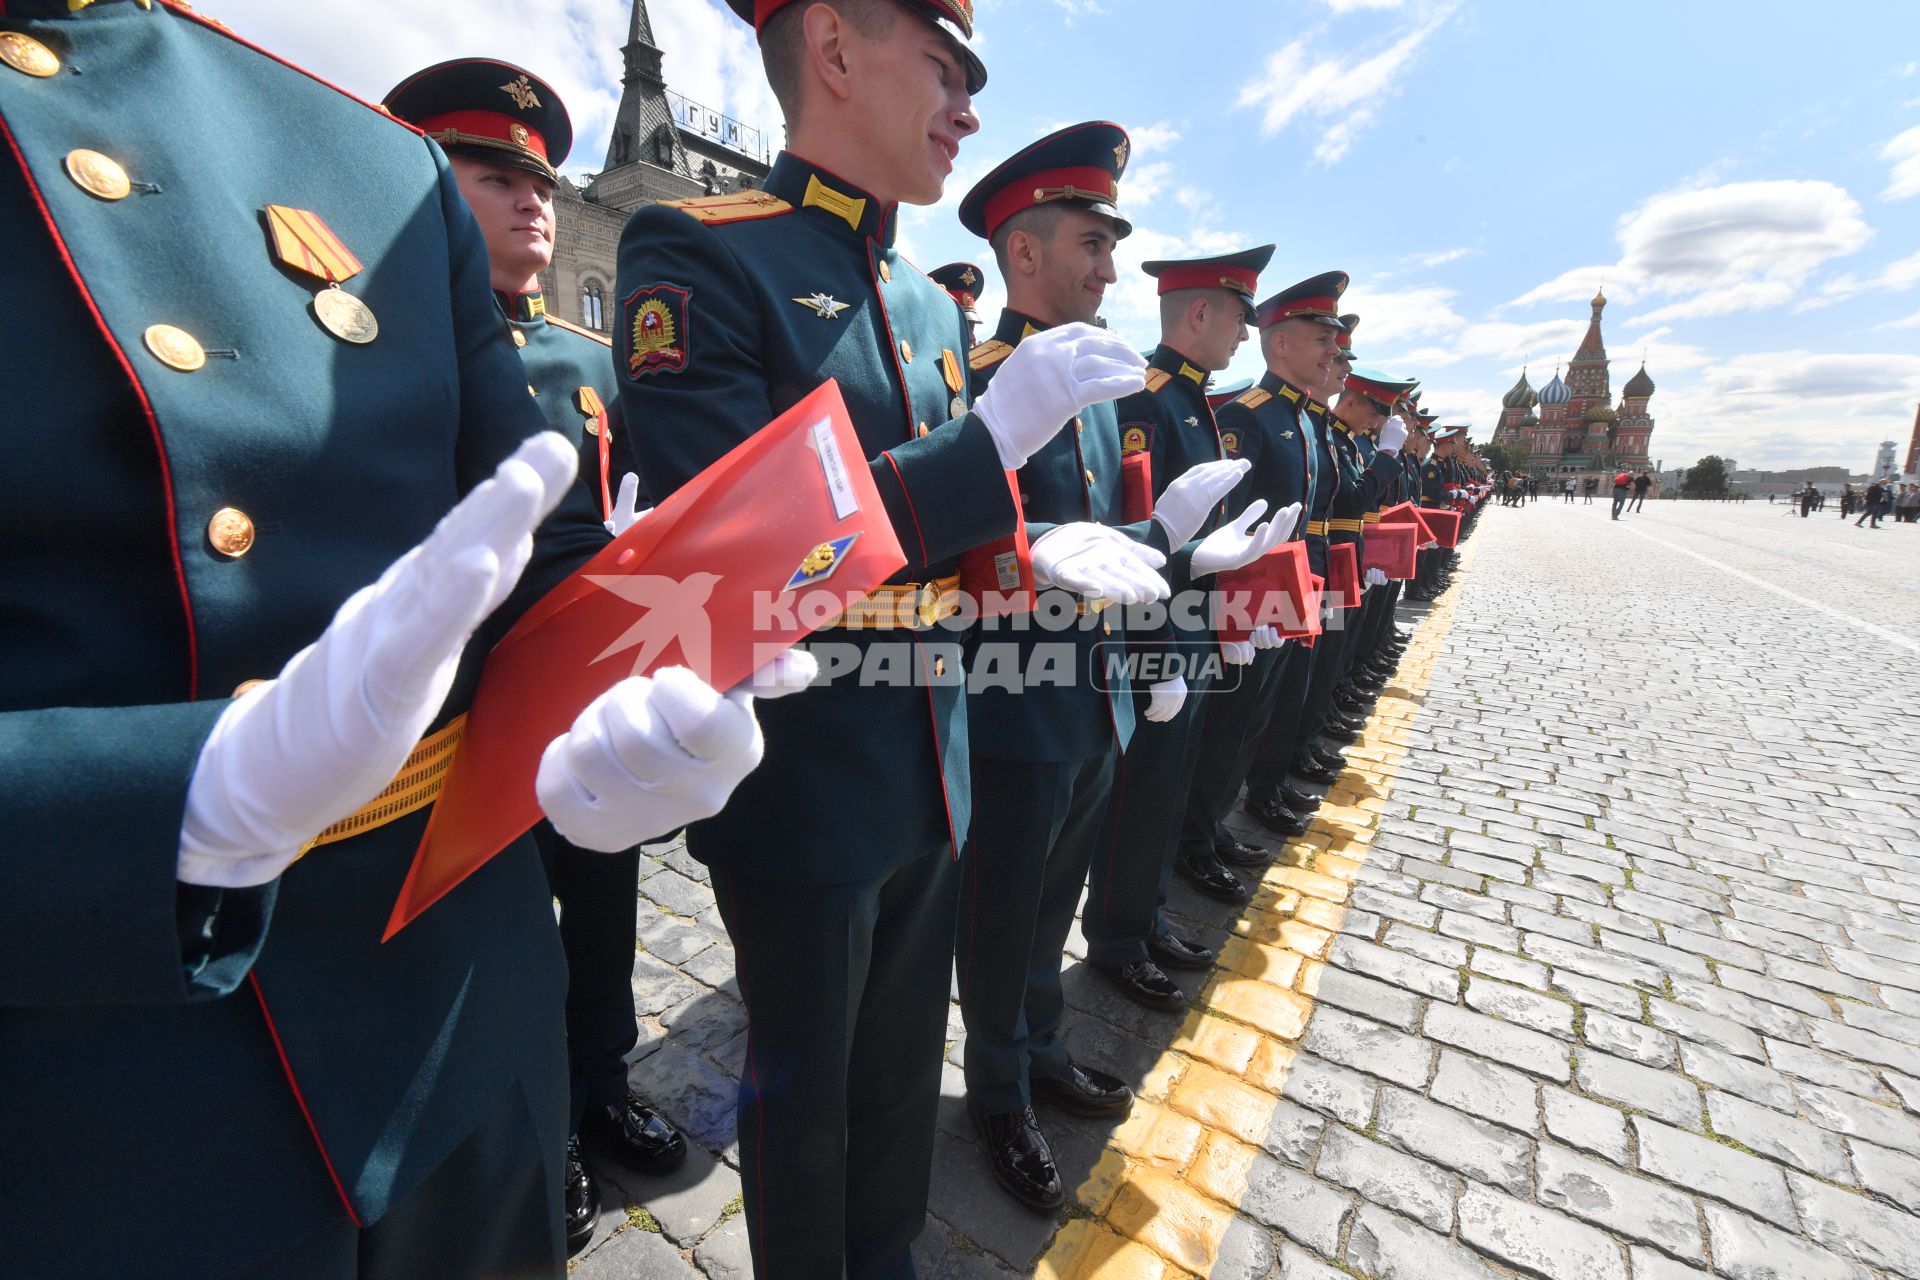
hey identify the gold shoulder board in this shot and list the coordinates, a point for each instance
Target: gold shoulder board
(737, 206)
(1253, 397)
(990, 352)
(598, 337)
(1158, 378)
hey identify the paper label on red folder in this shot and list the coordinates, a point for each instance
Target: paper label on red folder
(839, 484)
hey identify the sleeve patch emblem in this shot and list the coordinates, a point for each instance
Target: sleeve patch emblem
(1133, 440)
(656, 330)
(1230, 441)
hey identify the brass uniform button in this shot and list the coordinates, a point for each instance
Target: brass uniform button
(519, 338)
(886, 273)
(230, 532)
(1089, 475)
(924, 428)
(906, 351)
(1078, 426)
(174, 347)
(939, 667)
(97, 175)
(27, 56)
(245, 685)
(531, 391)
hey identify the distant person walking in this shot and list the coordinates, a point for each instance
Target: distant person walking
(1589, 487)
(1567, 488)
(1641, 485)
(1808, 496)
(1906, 507)
(1848, 500)
(1622, 490)
(1870, 509)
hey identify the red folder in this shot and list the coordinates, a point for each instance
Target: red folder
(774, 540)
(1445, 525)
(1391, 549)
(1343, 575)
(1136, 487)
(1277, 590)
(998, 576)
(1408, 514)
(1319, 588)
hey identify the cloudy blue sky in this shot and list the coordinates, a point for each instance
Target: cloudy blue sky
(1743, 176)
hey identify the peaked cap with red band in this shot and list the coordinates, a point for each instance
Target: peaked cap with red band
(1349, 322)
(1382, 388)
(1316, 298)
(955, 17)
(1080, 165)
(962, 281)
(488, 110)
(1237, 272)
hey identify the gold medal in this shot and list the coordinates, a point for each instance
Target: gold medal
(345, 316)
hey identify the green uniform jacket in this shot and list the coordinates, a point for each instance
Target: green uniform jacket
(1071, 715)
(570, 372)
(1268, 426)
(731, 310)
(235, 1069)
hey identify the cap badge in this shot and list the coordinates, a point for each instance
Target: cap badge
(521, 91)
(967, 277)
(1120, 155)
(824, 306)
(519, 133)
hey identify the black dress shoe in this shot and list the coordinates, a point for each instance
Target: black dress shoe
(1085, 1091)
(1022, 1161)
(1235, 852)
(1370, 681)
(1310, 768)
(582, 1200)
(635, 1135)
(1338, 731)
(1277, 817)
(1327, 756)
(1209, 877)
(1301, 802)
(1174, 951)
(1144, 982)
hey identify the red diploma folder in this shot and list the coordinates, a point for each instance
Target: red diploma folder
(1276, 590)
(1136, 487)
(1390, 548)
(1343, 575)
(998, 577)
(1445, 525)
(769, 543)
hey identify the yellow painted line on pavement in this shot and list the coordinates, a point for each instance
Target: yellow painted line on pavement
(1162, 1195)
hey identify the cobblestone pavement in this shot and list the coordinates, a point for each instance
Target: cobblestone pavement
(1601, 961)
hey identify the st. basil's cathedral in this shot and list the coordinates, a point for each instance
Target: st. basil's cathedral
(1577, 430)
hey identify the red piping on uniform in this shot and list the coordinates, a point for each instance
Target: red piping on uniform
(219, 29)
(140, 394)
(907, 493)
(287, 1066)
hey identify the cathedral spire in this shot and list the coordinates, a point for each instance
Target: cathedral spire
(640, 30)
(643, 126)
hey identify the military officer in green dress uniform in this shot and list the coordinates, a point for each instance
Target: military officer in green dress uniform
(1270, 426)
(962, 281)
(505, 132)
(836, 875)
(1046, 732)
(1206, 305)
(282, 367)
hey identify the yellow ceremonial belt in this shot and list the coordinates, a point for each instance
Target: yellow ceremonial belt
(1345, 526)
(416, 786)
(1318, 528)
(1372, 517)
(913, 605)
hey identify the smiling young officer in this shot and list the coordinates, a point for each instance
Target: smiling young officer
(505, 131)
(836, 876)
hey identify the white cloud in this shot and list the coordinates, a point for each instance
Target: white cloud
(1350, 6)
(1895, 277)
(1904, 322)
(1756, 407)
(1339, 95)
(1737, 246)
(1445, 256)
(1079, 8)
(1388, 316)
(1904, 151)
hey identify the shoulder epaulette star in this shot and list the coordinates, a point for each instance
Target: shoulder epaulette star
(736, 206)
(990, 352)
(601, 338)
(1158, 378)
(1253, 397)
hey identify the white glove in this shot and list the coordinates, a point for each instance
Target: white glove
(1266, 637)
(1049, 378)
(1393, 434)
(1240, 544)
(1167, 698)
(626, 506)
(652, 754)
(1236, 653)
(290, 757)
(1099, 563)
(1183, 507)
(1376, 577)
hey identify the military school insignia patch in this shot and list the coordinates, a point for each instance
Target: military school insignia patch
(654, 322)
(1230, 441)
(821, 562)
(1133, 439)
